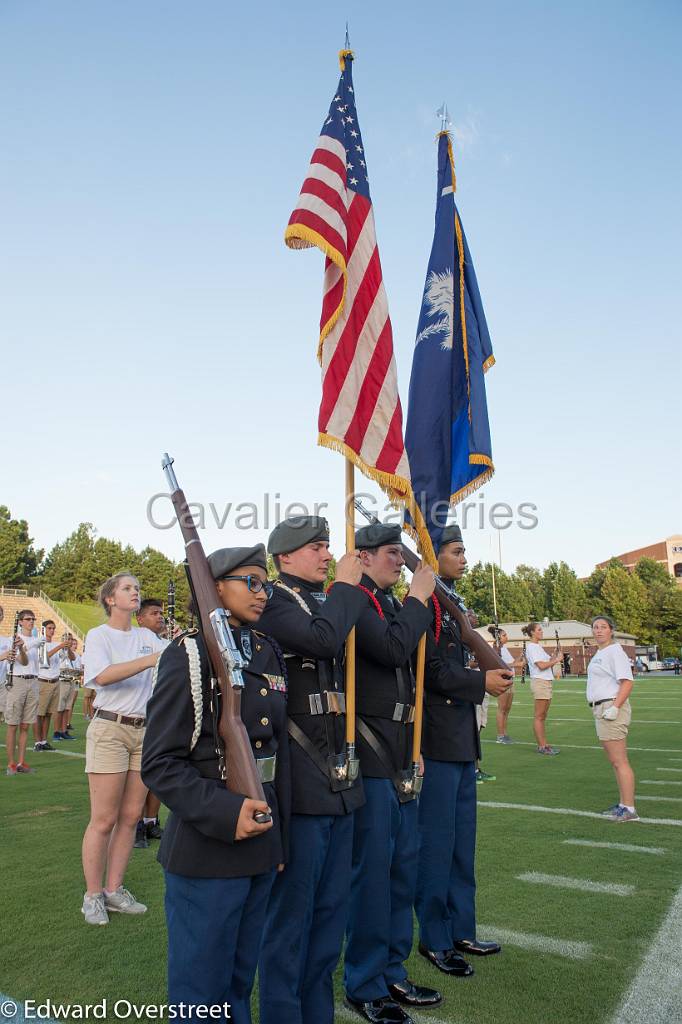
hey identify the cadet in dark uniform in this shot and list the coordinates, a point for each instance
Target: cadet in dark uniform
(446, 886)
(219, 862)
(380, 928)
(308, 908)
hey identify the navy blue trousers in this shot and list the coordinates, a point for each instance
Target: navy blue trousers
(380, 927)
(215, 926)
(306, 921)
(446, 884)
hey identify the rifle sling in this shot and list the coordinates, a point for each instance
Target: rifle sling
(378, 748)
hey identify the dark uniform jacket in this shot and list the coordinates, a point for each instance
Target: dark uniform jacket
(312, 646)
(198, 839)
(451, 693)
(384, 680)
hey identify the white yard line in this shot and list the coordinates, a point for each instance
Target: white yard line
(660, 799)
(582, 746)
(64, 753)
(655, 995)
(539, 943)
(669, 769)
(584, 884)
(661, 782)
(498, 805)
(553, 718)
(658, 851)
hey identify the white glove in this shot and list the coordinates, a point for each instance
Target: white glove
(611, 714)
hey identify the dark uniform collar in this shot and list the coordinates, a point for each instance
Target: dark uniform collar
(296, 583)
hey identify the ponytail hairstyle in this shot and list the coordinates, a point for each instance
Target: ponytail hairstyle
(109, 588)
(529, 629)
(492, 629)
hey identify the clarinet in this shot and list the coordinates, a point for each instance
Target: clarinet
(524, 665)
(9, 682)
(170, 610)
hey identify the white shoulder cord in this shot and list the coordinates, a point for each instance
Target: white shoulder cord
(296, 597)
(192, 651)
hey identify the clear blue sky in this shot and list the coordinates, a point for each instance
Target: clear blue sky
(152, 151)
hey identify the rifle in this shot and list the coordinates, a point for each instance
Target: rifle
(487, 658)
(225, 658)
(497, 642)
(525, 664)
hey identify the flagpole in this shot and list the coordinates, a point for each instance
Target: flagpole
(350, 639)
(418, 707)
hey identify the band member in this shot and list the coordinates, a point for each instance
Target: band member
(5, 649)
(21, 703)
(72, 665)
(48, 693)
(609, 685)
(219, 862)
(148, 827)
(505, 700)
(446, 883)
(540, 665)
(379, 937)
(308, 907)
(119, 659)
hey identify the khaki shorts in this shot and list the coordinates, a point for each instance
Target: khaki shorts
(111, 747)
(482, 712)
(541, 689)
(616, 730)
(21, 705)
(48, 697)
(66, 692)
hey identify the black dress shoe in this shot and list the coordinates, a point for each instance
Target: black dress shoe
(476, 948)
(448, 961)
(409, 994)
(380, 1011)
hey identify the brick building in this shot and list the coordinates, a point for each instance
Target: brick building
(667, 552)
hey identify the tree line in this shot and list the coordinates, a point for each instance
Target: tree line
(645, 602)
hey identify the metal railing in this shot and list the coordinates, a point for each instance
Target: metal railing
(69, 623)
(13, 592)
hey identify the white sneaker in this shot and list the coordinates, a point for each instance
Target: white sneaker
(93, 909)
(123, 902)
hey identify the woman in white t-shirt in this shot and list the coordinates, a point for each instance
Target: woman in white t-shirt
(504, 701)
(609, 685)
(540, 665)
(118, 663)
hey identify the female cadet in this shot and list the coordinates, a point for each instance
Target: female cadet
(504, 701)
(609, 685)
(540, 665)
(219, 862)
(119, 660)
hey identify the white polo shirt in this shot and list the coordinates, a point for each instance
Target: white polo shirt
(32, 648)
(535, 653)
(605, 669)
(507, 656)
(105, 646)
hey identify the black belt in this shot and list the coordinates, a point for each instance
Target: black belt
(111, 716)
(596, 703)
(42, 680)
(391, 711)
(21, 676)
(328, 702)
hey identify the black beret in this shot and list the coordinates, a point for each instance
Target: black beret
(451, 535)
(295, 532)
(377, 534)
(224, 561)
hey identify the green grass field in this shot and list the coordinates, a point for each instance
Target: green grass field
(592, 943)
(85, 616)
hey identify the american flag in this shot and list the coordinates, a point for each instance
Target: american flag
(360, 413)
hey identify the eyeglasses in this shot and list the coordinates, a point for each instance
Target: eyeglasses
(254, 583)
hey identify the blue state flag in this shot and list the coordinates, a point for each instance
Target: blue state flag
(447, 435)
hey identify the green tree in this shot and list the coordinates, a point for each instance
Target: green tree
(565, 594)
(532, 579)
(19, 560)
(625, 598)
(66, 561)
(663, 621)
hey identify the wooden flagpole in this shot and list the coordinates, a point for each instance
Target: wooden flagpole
(418, 704)
(350, 639)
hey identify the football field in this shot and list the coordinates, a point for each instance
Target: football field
(589, 912)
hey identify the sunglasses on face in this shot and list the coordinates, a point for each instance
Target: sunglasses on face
(254, 583)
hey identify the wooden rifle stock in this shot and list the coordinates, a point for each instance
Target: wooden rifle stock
(242, 775)
(486, 656)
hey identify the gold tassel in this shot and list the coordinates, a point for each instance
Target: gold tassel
(342, 58)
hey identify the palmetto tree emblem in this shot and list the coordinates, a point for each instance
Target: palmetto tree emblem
(438, 300)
